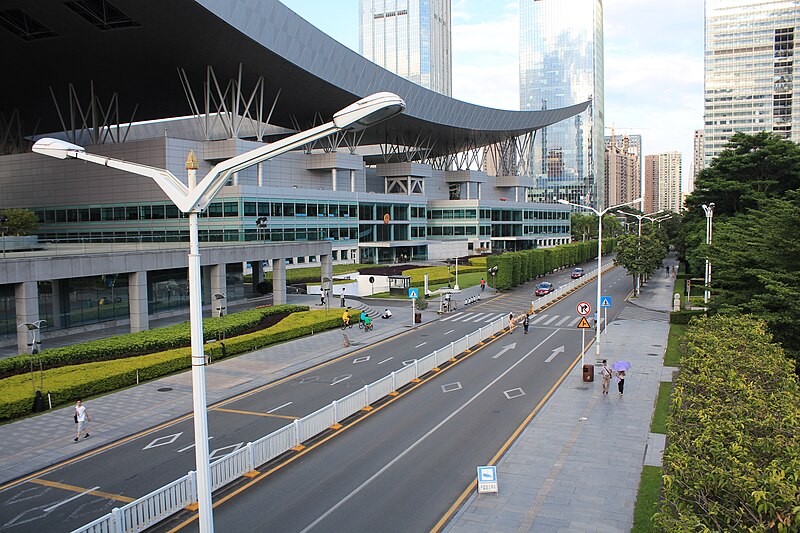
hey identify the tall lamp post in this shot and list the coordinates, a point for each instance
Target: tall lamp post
(599, 259)
(35, 342)
(196, 197)
(639, 218)
(220, 298)
(709, 209)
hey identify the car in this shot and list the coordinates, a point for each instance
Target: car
(577, 273)
(544, 288)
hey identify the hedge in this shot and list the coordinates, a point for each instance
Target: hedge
(732, 460)
(684, 317)
(438, 275)
(65, 384)
(143, 342)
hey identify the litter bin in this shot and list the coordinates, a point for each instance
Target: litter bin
(588, 372)
(417, 317)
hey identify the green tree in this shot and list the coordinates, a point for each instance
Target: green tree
(20, 221)
(640, 256)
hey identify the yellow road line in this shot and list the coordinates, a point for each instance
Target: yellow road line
(254, 413)
(81, 490)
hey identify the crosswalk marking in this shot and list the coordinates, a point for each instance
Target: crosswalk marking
(575, 321)
(565, 319)
(539, 319)
(452, 317)
(552, 320)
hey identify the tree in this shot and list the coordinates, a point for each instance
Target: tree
(640, 256)
(20, 221)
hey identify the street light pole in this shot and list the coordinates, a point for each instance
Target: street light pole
(193, 198)
(709, 209)
(599, 259)
(640, 217)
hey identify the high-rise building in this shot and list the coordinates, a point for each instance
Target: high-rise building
(663, 182)
(561, 63)
(698, 161)
(410, 38)
(623, 169)
(749, 70)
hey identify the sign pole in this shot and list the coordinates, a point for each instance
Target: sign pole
(583, 346)
(413, 310)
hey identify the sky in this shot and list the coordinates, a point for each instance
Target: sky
(653, 61)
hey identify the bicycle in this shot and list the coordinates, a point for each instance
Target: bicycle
(347, 325)
(368, 327)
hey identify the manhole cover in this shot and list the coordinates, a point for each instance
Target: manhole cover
(653, 354)
(165, 389)
(497, 412)
(656, 345)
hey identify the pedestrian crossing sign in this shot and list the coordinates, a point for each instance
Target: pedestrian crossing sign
(413, 293)
(584, 324)
(605, 301)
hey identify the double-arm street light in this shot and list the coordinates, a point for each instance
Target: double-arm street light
(639, 218)
(709, 209)
(196, 197)
(599, 259)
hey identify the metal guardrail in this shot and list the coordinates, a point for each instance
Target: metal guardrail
(168, 500)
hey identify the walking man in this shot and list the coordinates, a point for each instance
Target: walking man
(525, 323)
(605, 374)
(322, 297)
(81, 417)
(483, 284)
(343, 301)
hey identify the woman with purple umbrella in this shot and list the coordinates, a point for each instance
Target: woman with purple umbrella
(620, 367)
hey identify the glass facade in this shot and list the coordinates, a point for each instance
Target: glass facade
(561, 64)
(410, 38)
(749, 70)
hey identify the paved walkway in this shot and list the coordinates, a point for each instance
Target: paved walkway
(577, 465)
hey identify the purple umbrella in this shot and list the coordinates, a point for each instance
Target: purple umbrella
(621, 366)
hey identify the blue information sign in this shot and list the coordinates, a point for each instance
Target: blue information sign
(605, 301)
(413, 293)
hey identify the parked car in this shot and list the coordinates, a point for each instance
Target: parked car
(544, 288)
(577, 273)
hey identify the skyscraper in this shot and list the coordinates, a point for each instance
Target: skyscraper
(698, 161)
(561, 64)
(749, 70)
(662, 183)
(623, 169)
(410, 38)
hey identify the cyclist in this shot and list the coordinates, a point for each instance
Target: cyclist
(367, 323)
(363, 319)
(346, 319)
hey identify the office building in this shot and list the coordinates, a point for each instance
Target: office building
(749, 70)
(662, 183)
(698, 159)
(561, 63)
(623, 169)
(410, 38)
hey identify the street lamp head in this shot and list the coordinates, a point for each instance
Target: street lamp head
(369, 111)
(219, 296)
(562, 201)
(56, 148)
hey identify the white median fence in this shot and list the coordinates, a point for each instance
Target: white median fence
(169, 499)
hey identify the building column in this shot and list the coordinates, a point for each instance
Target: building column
(137, 301)
(58, 313)
(279, 281)
(218, 286)
(260, 170)
(258, 274)
(352, 181)
(326, 267)
(333, 179)
(26, 301)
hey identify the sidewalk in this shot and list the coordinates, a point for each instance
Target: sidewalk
(39, 441)
(577, 466)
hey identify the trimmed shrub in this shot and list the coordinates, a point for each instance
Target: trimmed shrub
(264, 287)
(684, 317)
(732, 461)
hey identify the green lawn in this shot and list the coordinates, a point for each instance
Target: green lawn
(647, 499)
(661, 412)
(672, 357)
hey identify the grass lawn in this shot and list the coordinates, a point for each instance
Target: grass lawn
(661, 412)
(672, 357)
(647, 499)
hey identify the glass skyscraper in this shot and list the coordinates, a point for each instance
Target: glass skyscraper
(410, 38)
(561, 64)
(749, 70)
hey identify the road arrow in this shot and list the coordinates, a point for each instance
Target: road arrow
(505, 349)
(339, 379)
(557, 351)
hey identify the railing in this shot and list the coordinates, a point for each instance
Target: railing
(168, 500)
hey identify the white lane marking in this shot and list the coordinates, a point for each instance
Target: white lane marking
(363, 359)
(552, 320)
(514, 393)
(575, 322)
(287, 404)
(47, 510)
(423, 344)
(451, 317)
(339, 379)
(423, 438)
(552, 356)
(478, 317)
(189, 447)
(389, 359)
(449, 332)
(497, 317)
(539, 319)
(163, 441)
(506, 348)
(565, 319)
(462, 316)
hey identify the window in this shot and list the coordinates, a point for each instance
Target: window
(158, 212)
(215, 209)
(231, 209)
(250, 209)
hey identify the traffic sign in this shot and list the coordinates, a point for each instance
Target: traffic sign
(487, 479)
(413, 293)
(584, 308)
(605, 301)
(584, 324)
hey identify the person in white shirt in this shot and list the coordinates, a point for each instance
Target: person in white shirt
(81, 417)
(386, 314)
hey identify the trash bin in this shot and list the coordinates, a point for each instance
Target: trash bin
(588, 372)
(417, 317)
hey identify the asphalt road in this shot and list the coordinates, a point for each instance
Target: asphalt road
(404, 465)
(418, 452)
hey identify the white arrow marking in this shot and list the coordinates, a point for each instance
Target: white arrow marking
(505, 349)
(70, 499)
(553, 355)
(339, 379)
(280, 407)
(389, 359)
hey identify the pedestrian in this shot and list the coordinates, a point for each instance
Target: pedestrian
(483, 284)
(322, 298)
(525, 323)
(674, 270)
(621, 381)
(666, 270)
(343, 301)
(81, 418)
(511, 322)
(605, 374)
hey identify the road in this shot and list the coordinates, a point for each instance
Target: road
(439, 431)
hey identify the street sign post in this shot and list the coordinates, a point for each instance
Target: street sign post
(413, 294)
(584, 308)
(487, 479)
